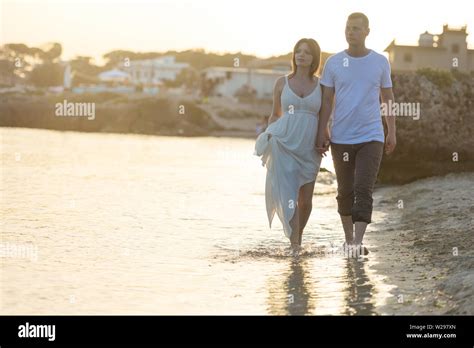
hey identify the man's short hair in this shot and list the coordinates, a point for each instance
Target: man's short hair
(356, 15)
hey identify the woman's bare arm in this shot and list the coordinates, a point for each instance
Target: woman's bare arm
(276, 110)
(327, 103)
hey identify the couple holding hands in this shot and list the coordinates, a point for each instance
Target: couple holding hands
(298, 134)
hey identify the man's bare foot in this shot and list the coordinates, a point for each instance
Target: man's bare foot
(362, 250)
(354, 250)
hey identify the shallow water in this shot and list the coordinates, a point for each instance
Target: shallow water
(132, 224)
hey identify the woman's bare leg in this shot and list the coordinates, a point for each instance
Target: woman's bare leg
(295, 225)
(305, 204)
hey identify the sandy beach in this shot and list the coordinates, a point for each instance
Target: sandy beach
(425, 247)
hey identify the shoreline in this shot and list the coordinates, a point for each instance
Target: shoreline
(423, 245)
(243, 134)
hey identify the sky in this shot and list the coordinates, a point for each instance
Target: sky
(259, 27)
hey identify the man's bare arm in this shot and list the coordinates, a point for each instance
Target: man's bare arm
(391, 139)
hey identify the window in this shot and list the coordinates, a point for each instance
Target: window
(407, 57)
(455, 48)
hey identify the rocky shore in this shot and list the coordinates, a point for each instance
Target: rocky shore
(441, 140)
(113, 114)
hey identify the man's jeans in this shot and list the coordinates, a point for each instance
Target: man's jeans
(356, 166)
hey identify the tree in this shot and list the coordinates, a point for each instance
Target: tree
(48, 74)
(6, 72)
(84, 71)
(118, 57)
(51, 53)
(23, 58)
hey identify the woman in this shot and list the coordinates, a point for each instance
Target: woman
(287, 146)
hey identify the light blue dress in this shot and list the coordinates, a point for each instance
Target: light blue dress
(287, 149)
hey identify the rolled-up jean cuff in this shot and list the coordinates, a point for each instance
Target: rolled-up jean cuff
(344, 212)
(362, 217)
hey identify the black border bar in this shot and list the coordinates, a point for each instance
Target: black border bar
(225, 330)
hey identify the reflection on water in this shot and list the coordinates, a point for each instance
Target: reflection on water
(296, 292)
(130, 224)
(358, 294)
(295, 296)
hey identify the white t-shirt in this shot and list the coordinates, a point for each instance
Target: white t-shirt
(357, 82)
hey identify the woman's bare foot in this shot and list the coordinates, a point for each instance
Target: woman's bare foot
(295, 250)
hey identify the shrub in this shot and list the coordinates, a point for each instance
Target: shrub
(439, 77)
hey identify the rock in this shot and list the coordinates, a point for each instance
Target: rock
(441, 141)
(113, 114)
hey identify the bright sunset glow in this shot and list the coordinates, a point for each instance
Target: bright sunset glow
(263, 28)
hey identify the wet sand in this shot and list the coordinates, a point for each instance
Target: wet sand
(425, 245)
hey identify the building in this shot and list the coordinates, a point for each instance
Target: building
(115, 75)
(154, 71)
(144, 76)
(444, 51)
(229, 81)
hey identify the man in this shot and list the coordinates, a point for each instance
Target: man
(356, 77)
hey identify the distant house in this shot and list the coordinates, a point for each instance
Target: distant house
(147, 74)
(154, 71)
(114, 81)
(114, 75)
(444, 51)
(229, 82)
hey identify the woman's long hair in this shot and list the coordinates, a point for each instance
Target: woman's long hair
(315, 52)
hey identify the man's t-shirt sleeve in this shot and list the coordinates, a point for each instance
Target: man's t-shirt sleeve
(328, 77)
(386, 81)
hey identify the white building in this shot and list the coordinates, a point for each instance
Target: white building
(154, 71)
(114, 75)
(443, 51)
(230, 80)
